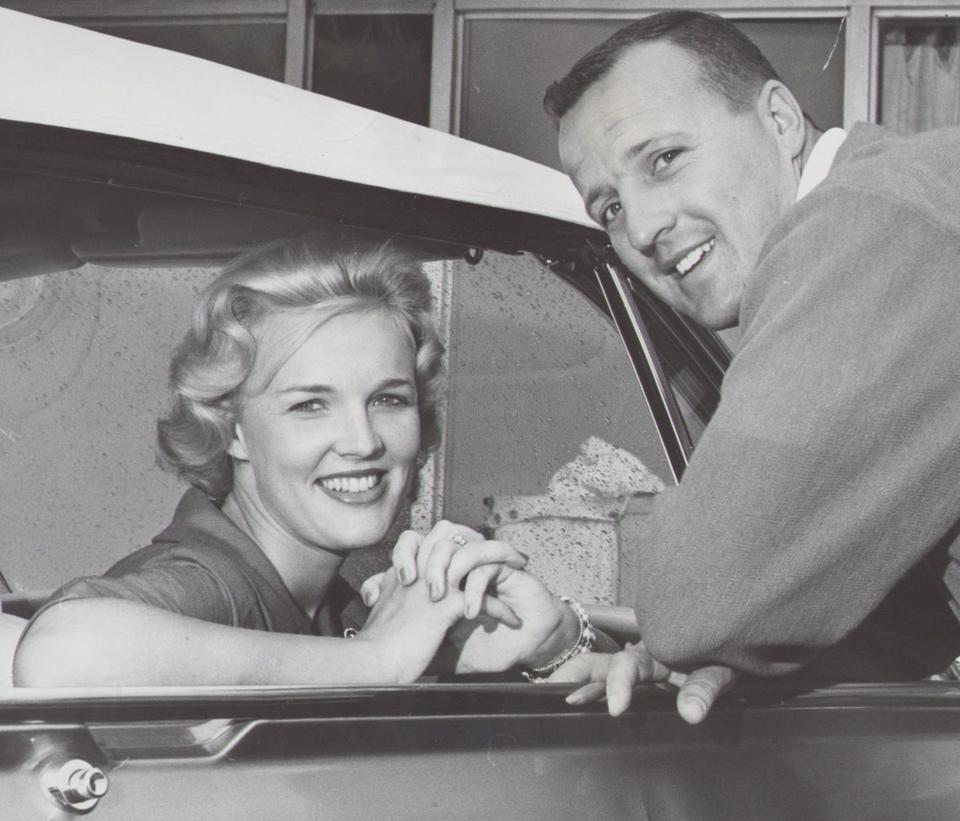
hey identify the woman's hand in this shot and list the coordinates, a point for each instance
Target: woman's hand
(445, 557)
(614, 675)
(406, 627)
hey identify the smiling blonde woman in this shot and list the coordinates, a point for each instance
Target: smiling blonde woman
(304, 392)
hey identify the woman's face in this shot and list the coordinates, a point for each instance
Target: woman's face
(325, 453)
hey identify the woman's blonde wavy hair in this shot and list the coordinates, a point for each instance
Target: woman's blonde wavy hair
(314, 277)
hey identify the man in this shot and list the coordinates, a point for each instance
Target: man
(816, 529)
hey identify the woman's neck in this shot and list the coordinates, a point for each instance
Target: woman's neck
(308, 572)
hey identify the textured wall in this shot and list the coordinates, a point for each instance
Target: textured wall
(574, 532)
(83, 362)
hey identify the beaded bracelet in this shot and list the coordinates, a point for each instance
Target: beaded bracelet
(583, 644)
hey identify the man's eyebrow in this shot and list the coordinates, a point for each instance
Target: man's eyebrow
(593, 194)
(635, 150)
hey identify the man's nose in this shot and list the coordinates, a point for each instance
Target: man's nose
(358, 436)
(647, 220)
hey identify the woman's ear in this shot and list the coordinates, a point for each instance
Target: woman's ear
(781, 112)
(238, 448)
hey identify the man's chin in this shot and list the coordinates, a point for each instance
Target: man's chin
(713, 314)
(719, 322)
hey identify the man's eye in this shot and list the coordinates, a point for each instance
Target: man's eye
(661, 161)
(309, 406)
(609, 213)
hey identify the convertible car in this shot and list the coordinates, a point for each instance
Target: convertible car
(127, 175)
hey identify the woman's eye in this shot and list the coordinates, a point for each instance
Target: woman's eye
(664, 159)
(391, 400)
(309, 406)
(609, 213)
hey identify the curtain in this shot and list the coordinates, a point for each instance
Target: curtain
(920, 85)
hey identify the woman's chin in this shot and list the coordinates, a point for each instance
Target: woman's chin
(360, 536)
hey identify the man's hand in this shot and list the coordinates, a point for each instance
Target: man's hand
(615, 674)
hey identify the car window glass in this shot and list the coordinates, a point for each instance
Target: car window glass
(97, 286)
(543, 413)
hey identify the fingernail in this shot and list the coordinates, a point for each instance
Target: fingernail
(468, 611)
(404, 575)
(434, 591)
(575, 698)
(525, 556)
(366, 599)
(692, 710)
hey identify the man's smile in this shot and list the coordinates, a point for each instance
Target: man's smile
(693, 257)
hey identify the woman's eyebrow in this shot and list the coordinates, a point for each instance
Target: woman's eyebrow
(397, 382)
(307, 389)
(391, 382)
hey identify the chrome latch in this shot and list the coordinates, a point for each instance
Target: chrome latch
(77, 785)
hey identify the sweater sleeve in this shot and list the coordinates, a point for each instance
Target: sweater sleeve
(831, 466)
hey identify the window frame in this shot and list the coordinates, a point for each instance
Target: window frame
(860, 32)
(861, 29)
(906, 12)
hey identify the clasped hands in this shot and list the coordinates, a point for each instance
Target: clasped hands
(510, 618)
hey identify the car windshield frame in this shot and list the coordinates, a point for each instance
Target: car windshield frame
(448, 226)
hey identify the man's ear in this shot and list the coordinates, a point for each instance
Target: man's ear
(781, 112)
(237, 447)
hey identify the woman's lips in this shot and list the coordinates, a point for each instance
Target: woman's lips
(354, 488)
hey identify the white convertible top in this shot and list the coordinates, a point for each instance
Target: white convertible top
(60, 75)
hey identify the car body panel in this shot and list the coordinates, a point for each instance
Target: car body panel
(499, 751)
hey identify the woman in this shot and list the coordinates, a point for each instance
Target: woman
(304, 393)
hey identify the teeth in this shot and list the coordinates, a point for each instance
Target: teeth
(691, 259)
(351, 484)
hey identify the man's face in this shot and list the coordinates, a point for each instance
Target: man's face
(686, 188)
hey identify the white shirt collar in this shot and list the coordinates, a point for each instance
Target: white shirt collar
(820, 160)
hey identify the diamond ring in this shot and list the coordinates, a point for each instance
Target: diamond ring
(459, 539)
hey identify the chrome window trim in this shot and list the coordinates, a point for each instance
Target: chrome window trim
(633, 331)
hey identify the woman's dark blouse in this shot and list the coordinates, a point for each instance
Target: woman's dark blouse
(205, 567)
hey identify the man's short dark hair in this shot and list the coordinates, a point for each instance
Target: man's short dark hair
(729, 61)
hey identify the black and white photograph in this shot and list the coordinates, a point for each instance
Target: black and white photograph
(431, 410)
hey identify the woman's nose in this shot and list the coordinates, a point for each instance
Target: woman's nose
(358, 436)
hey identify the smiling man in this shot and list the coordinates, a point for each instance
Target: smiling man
(687, 186)
(815, 530)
